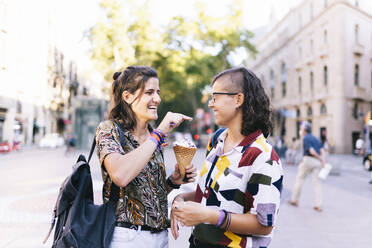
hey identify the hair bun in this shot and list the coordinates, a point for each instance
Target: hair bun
(116, 75)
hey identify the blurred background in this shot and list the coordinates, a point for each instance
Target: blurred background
(313, 57)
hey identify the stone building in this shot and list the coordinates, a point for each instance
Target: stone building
(316, 65)
(37, 81)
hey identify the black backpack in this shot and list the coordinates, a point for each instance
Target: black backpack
(81, 223)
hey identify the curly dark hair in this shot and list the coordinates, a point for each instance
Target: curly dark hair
(256, 108)
(131, 79)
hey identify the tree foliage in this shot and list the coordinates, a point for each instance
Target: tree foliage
(187, 52)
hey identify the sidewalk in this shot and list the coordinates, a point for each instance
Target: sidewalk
(346, 163)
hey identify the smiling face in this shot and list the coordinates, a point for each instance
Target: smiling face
(225, 107)
(145, 106)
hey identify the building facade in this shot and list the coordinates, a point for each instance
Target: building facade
(37, 81)
(316, 65)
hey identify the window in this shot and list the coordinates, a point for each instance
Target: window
(356, 3)
(298, 123)
(355, 111)
(356, 75)
(309, 111)
(325, 36)
(323, 109)
(272, 83)
(356, 33)
(311, 81)
(284, 80)
(311, 11)
(325, 4)
(299, 85)
(299, 51)
(325, 75)
(311, 45)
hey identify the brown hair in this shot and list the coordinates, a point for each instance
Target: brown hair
(131, 79)
(256, 107)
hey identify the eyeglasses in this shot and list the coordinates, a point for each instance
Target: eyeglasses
(213, 99)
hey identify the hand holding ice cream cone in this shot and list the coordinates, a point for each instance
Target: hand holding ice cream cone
(184, 152)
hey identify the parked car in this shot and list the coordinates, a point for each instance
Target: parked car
(5, 147)
(52, 140)
(367, 161)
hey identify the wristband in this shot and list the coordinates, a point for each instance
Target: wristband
(221, 218)
(228, 221)
(159, 136)
(161, 132)
(171, 184)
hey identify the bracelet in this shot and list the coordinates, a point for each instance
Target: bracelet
(161, 132)
(228, 221)
(159, 136)
(221, 218)
(171, 184)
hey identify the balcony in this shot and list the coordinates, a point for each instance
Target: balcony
(358, 93)
(309, 59)
(358, 49)
(323, 51)
(298, 64)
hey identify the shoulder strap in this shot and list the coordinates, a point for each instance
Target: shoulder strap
(92, 149)
(216, 135)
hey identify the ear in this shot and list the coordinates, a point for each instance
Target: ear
(239, 100)
(127, 97)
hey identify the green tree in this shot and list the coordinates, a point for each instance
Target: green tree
(187, 53)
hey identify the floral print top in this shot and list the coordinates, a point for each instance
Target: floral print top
(144, 200)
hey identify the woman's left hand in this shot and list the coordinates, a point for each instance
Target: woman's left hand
(190, 175)
(190, 213)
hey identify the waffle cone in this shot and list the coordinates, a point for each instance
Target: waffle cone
(184, 157)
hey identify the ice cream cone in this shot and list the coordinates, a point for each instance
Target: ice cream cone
(184, 156)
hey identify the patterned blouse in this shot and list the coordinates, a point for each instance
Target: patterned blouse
(246, 179)
(144, 200)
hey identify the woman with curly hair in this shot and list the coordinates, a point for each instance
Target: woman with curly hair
(237, 198)
(130, 154)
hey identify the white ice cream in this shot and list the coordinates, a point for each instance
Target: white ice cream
(185, 143)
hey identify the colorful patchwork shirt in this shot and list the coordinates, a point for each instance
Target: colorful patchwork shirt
(144, 200)
(246, 179)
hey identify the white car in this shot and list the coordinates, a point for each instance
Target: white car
(52, 140)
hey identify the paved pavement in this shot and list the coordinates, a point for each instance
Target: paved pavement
(30, 181)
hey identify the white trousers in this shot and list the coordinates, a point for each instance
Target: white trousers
(130, 238)
(308, 165)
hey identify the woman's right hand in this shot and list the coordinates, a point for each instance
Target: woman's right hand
(172, 120)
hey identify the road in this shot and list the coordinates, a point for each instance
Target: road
(30, 181)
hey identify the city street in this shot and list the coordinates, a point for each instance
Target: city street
(30, 181)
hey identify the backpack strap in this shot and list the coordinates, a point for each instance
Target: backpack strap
(216, 135)
(92, 149)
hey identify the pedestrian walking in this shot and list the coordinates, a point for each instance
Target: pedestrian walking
(237, 198)
(70, 144)
(313, 160)
(138, 166)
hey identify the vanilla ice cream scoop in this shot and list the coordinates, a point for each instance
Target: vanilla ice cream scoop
(184, 151)
(185, 143)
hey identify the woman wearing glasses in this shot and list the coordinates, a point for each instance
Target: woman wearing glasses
(237, 197)
(134, 166)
